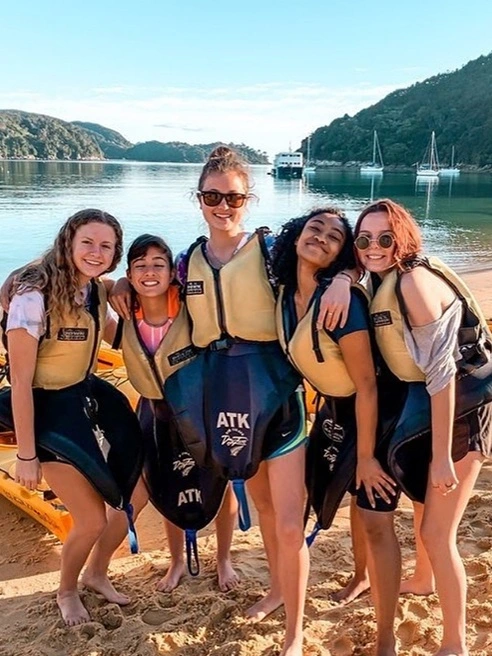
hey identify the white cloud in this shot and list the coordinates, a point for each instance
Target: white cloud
(265, 116)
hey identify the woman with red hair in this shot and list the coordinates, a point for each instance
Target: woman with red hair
(421, 312)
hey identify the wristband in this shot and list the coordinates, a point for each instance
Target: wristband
(26, 459)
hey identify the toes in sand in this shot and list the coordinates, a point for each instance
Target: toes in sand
(171, 579)
(103, 585)
(268, 604)
(227, 576)
(71, 608)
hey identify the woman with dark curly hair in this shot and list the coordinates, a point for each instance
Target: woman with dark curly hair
(338, 363)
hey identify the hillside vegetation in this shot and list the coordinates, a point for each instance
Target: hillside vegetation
(25, 135)
(457, 106)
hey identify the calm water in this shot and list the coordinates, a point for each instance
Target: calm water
(36, 197)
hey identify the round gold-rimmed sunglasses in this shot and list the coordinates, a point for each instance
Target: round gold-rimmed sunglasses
(386, 240)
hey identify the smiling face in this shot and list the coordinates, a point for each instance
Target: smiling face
(151, 274)
(93, 249)
(222, 217)
(321, 240)
(375, 258)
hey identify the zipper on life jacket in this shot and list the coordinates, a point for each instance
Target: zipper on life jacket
(220, 303)
(97, 327)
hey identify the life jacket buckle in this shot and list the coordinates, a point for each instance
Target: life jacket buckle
(220, 344)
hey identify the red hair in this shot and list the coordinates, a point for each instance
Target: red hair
(408, 238)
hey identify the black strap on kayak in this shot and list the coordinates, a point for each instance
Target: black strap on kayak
(244, 516)
(192, 559)
(132, 533)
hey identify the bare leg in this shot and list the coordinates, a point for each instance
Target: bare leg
(442, 515)
(422, 581)
(259, 489)
(360, 581)
(89, 521)
(95, 575)
(224, 529)
(384, 562)
(286, 476)
(175, 540)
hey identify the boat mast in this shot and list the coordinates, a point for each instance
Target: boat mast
(374, 141)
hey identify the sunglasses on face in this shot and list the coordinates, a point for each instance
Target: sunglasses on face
(386, 240)
(214, 198)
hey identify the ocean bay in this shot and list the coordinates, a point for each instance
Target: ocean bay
(36, 197)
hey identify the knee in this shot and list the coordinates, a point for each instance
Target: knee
(93, 526)
(377, 527)
(434, 538)
(290, 530)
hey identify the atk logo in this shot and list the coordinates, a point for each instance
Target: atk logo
(184, 463)
(192, 495)
(234, 438)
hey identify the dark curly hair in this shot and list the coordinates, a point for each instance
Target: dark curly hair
(284, 256)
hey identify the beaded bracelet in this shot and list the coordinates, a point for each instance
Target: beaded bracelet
(26, 459)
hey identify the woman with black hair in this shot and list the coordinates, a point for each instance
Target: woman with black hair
(338, 363)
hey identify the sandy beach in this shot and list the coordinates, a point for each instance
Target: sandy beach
(196, 619)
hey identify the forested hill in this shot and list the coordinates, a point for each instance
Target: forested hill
(25, 135)
(457, 106)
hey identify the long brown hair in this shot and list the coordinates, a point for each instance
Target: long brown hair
(408, 238)
(55, 274)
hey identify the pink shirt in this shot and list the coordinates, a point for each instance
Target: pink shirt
(152, 336)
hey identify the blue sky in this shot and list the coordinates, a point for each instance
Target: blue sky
(266, 73)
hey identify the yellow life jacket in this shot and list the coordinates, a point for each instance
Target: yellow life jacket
(236, 301)
(67, 353)
(387, 320)
(148, 373)
(314, 353)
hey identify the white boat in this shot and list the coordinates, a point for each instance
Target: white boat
(451, 170)
(309, 167)
(377, 164)
(430, 166)
(287, 165)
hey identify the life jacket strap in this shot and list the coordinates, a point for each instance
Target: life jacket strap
(192, 559)
(132, 533)
(312, 536)
(243, 510)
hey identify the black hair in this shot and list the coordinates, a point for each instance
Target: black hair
(284, 255)
(141, 245)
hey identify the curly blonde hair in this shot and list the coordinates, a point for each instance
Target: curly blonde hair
(55, 274)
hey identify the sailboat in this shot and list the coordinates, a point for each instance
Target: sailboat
(452, 170)
(430, 166)
(377, 165)
(310, 167)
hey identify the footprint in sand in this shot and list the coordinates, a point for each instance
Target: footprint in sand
(419, 610)
(408, 631)
(155, 616)
(343, 646)
(475, 568)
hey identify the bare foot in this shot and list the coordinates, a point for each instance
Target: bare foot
(71, 608)
(294, 648)
(104, 586)
(264, 607)
(418, 586)
(172, 577)
(351, 591)
(228, 579)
